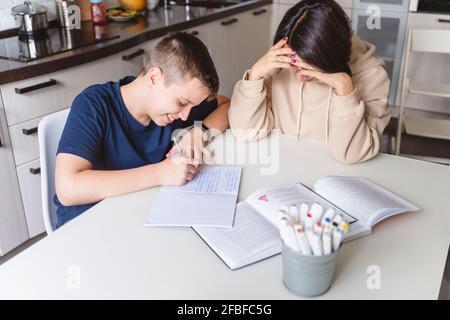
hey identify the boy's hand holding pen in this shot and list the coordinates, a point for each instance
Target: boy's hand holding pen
(311, 231)
(190, 144)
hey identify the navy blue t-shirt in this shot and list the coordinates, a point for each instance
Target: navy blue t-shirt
(100, 129)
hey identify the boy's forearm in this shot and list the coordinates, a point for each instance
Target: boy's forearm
(90, 186)
(218, 119)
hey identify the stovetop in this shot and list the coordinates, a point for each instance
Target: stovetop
(53, 41)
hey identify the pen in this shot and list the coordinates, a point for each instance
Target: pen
(315, 242)
(303, 212)
(326, 240)
(293, 210)
(318, 228)
(316, 211)
(283, 215)
(328, 216)
(337, 221)
(287, 233)
(177, 145)
(338, 234)
(302, 241)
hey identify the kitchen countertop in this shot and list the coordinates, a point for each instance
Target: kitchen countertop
(155, 24)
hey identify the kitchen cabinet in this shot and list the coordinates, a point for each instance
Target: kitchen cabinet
(29, 176)
(257, 34)
(229, 60)
(248, 33)
(13, 226)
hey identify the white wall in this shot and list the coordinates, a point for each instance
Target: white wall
(7, 20)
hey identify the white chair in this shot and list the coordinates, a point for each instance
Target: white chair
(430, 41)
(49, 132)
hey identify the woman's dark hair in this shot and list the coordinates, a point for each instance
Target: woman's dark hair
(319, 32)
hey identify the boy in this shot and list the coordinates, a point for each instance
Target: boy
(118, 134)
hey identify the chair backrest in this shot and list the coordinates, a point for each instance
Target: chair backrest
(430, 40)
(49, 132)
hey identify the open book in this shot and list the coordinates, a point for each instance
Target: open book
(255, 235)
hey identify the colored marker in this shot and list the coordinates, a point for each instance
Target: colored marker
(328, 216)
(303, 212)
(302, 241)
(315, 242)
(326, 240)
(287, 233)
(316, 211)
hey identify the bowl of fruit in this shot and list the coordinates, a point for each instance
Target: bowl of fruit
(121, 15)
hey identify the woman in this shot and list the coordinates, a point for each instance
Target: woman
(318, 81)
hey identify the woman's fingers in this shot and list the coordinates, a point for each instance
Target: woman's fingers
(284, 59)
(280, 44)
(281, 65)
(280, 52)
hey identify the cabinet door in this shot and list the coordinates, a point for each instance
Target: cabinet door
(30, 189)
(388, 39)
(13, 226)
(227, 50)
(130, 62)
(384, 5)
(24, 140)
(256, 31)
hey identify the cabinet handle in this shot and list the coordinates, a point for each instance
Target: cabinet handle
(228, 22)
(195, 33)
(27, 132)
(444, 20)
(35, 170)
(258, 12)
(35, 87)
(133, 55)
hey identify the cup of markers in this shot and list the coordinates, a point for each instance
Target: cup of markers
(311, 238)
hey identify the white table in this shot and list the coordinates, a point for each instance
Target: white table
(107, 253)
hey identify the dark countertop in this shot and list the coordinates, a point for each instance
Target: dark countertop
(155, 24)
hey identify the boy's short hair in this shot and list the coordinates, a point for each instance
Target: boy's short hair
(182, 56)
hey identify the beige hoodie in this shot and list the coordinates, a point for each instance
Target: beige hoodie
(352, 125)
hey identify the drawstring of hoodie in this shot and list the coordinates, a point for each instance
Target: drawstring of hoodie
(300, 110)
(328, 115)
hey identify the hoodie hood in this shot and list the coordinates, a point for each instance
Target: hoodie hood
(363, 56)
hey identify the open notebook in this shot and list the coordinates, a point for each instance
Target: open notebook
(207, 200)
(255, 237)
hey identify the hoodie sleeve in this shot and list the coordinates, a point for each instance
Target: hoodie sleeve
(357, 120)
(251, 116)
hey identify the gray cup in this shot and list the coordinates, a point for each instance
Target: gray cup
(307, 276)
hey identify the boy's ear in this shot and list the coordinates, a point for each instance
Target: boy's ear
(154, 76)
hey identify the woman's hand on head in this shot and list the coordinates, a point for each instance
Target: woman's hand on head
(279, 56)
(341, 82)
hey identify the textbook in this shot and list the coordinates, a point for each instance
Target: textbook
(255, 235)
(207, 200)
